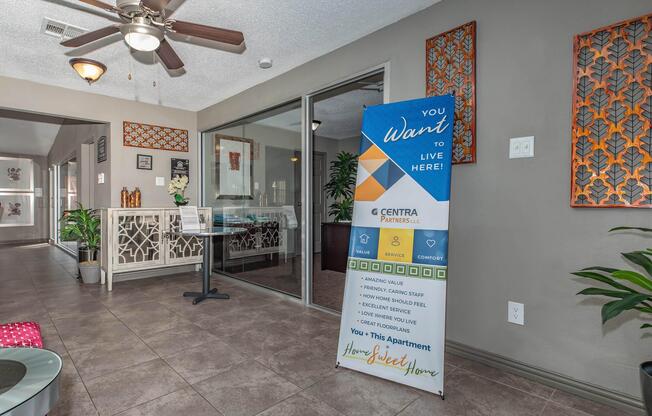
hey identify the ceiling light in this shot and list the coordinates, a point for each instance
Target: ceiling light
(315, 124)
(142, 36)
(265, 63)
(294, 159)
(88, 69)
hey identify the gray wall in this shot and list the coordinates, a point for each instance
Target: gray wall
(68, 143)
(120, 170)
(40, 230)
(513, 234)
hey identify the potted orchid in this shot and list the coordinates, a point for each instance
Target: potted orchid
(177, 188)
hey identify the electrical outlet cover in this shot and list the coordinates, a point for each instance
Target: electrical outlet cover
(516, 313)
(160, 181)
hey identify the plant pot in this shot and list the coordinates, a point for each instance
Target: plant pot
(90, 272)
(646, 385)
(181, 204)
(335, 245)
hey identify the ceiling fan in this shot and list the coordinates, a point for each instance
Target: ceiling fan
(146, 23)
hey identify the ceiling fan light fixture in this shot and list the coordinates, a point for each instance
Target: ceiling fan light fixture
(141, 36)
(88, 69)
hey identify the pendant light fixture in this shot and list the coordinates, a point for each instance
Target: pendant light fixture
(88, 69)
(315, 124)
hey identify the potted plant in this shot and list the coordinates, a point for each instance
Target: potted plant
(177, 187)
(629, 291)
(83, 225)
(335, 235)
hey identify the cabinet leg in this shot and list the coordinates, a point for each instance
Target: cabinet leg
(109, 281)
(102, 277)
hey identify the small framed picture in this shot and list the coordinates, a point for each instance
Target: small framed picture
(144, 162)
(180, 167)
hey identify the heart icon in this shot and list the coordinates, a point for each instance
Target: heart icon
(431, 243)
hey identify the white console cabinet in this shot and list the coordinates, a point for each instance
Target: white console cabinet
(135, 239)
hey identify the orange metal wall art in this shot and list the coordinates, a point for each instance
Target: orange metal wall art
(154, 137)
(612, 116)
(450, 68)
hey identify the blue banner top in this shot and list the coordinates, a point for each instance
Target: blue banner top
(418, 136)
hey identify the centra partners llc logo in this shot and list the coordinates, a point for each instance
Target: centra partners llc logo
(397, 215)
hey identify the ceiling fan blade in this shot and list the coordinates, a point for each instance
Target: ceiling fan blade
(156, 5)
(168, 56)
(101, 5)
(217, 34)
(90, 36)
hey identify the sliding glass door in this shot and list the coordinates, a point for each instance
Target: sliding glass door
(336, 124)
(66, 199)
(252, 180)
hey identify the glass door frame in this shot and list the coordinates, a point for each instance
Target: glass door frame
(58, 211)
(308, 192)
(306, 169)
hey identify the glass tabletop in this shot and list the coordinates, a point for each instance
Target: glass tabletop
(25, 374)
(209, 231)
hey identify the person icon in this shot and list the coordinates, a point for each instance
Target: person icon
(395, 241)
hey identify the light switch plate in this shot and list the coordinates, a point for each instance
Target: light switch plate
(520, 147)
(515, 313)
(100, 177)
(160, 181)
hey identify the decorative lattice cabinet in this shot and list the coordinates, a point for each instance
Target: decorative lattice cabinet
(136, 239)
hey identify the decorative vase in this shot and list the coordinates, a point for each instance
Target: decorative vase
(646, 385)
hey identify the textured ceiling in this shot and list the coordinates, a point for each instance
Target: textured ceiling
(291, 32)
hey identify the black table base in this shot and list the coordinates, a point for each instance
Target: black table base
(212, 294)
(206, 292)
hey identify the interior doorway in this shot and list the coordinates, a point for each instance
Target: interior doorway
(335, 137)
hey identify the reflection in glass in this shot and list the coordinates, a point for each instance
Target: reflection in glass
(253, 180)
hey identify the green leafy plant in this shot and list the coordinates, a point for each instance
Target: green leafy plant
(83, 225)
(630, 290)
(341, 185)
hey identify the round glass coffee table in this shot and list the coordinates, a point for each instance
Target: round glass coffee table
(29, 381)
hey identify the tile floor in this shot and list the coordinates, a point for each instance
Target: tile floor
(145, 350)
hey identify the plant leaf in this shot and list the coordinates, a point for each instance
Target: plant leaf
(604, 292)
(636, 278)
(640, 258)
(600, 268)
(612, 309)
(604, 279)
(647, 230)
(646, 326)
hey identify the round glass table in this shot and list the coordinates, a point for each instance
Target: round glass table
(29, 381)
(207, 235)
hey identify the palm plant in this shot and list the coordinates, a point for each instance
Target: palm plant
(341, 185)
(83, 225)
(629, 289)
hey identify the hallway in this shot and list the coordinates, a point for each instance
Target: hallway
(145, 350)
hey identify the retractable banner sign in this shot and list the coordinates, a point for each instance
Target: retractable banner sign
(393, 315)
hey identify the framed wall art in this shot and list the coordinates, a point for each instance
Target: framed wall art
(101, 149)
(611, 161)
(16, 174)
(144, 162)
(234, 167)
(16, 209)
(450, 69)
(149, 136)
(180, 167)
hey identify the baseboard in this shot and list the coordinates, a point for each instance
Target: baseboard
(549, 378)
(23, 242)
